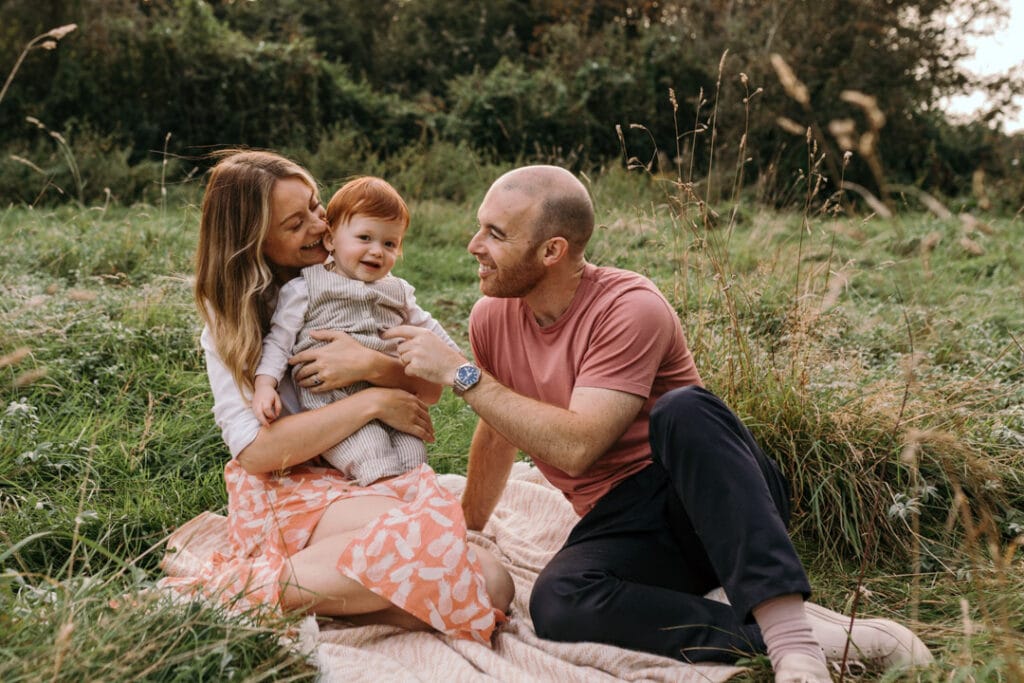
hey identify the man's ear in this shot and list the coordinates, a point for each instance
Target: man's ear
(554, 250)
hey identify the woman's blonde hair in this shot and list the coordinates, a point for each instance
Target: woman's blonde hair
(234, 281)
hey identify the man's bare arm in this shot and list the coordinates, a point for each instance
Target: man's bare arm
(490, 461)
(570, 439)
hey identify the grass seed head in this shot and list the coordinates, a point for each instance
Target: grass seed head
(61, 31)
(790, 126)
(14, 357)
(29, 377)
(790, 83)
(867, 103)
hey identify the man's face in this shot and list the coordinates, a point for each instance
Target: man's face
(509, 261)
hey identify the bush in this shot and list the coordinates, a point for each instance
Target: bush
(138, 76)
(442, 170)
(510, 111)
(81, 165)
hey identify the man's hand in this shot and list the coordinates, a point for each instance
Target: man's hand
(425, 355)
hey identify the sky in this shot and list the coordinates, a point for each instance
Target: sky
(995, 54)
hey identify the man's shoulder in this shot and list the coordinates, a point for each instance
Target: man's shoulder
(610, 276)
(617, 282)
(489, 305)
(492, 317)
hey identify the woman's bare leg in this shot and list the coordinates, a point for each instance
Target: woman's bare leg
(311, 582)
(350, 514)
(497, 579)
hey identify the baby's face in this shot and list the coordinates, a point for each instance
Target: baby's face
(366, 248)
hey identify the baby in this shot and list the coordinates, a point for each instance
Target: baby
(355, 293)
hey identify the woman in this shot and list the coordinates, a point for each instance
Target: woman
(302, 536)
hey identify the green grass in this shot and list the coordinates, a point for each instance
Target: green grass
(880, 361)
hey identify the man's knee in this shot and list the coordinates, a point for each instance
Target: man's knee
(562, 605)
(682, 404)
(678, 417)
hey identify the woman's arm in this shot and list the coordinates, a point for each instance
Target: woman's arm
(294, 439)
(344, 361)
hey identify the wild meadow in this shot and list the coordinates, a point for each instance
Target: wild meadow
(880, 360)
(872, 338)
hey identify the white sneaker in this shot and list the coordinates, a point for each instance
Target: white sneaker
(800, 668)
(875, 643)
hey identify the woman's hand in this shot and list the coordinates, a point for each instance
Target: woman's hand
(294, 439)
(403, 411)
(339, 363)
(344, 361)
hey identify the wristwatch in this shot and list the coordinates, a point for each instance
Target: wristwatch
(466, 377)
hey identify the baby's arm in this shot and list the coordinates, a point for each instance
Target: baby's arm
(266, 404)
(414, 315)
(428, 392)
(277, 346)
(285, 324)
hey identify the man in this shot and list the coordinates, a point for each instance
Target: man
(586, 370)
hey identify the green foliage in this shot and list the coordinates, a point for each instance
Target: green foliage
(509, 109)
(176, 79)
(509, 80)
(88, 628)
(89, 166)
(442, 170)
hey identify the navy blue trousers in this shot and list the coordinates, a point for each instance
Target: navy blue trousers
(712, 510)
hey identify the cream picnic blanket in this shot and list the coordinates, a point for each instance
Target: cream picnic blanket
(528, 526)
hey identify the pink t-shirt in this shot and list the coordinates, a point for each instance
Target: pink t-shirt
(618, 333)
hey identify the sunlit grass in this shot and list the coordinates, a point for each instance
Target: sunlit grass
(880, 361)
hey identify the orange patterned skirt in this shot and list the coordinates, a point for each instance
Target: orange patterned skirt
(415, 555)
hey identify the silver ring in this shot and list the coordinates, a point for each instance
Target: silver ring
(317, 381)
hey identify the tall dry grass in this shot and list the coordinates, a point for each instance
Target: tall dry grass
(895, 466)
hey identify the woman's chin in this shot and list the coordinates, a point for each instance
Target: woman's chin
(314, 256)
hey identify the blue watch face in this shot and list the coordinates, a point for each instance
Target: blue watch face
(467, 376)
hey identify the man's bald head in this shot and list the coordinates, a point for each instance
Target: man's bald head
(564, 206)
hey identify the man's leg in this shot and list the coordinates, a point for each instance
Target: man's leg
(731, 499)
(735, 503)
(623, 579)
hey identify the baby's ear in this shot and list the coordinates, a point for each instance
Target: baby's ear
(329, 240)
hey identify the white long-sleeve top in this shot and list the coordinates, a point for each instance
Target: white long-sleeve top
(231, 409)
(231, 406)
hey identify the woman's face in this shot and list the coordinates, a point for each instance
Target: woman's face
(297, 225)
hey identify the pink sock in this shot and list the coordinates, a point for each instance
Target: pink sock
(785, 628)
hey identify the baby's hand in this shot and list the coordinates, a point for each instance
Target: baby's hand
(266, 404)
